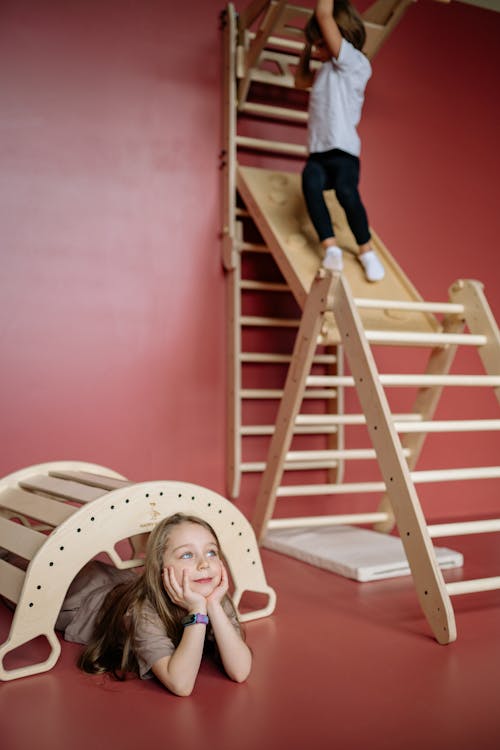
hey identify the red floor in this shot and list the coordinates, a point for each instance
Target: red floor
(339, 664)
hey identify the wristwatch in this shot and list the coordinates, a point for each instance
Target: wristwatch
(193, 619)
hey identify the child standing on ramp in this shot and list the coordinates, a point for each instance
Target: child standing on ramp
(337, 32)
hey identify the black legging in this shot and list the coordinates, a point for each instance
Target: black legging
(339, 171)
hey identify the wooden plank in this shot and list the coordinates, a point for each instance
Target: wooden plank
(93, 480)
(61, 488)
(20, 539)
(11, 581)
(29, 505)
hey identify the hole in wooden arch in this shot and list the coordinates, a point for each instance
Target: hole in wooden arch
(35, 651)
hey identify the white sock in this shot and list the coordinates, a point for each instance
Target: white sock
(333, 259)
(373, 268)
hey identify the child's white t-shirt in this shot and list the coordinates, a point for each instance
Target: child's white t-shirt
(336, 101)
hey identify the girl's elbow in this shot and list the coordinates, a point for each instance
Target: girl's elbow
(181, 691)
(240, 678)
(240, 675)
(181, 688)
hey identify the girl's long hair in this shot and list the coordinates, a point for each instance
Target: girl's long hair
(111, 648)
(348, 20)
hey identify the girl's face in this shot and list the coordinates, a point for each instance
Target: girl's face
(193, 548)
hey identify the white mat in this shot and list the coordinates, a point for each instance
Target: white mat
(360, 554)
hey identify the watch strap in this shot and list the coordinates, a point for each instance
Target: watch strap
(194, 619)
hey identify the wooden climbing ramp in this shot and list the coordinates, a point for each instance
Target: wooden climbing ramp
(274, 199)
(56, 517)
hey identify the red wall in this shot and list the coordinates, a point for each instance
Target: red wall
(112, 340)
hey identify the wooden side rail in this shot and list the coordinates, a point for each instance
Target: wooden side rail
(403, 498)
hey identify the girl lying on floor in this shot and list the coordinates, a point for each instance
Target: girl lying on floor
(161, 621)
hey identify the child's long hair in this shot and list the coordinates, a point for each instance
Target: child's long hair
(348, 20)
(112, 646)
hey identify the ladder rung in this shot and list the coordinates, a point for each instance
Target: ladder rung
(258, 144)
(386, 304)
(298, 490)
(268, 429)
(461, 528)
(258, 393)
(425, 339)
(252, 247)
(452, 475)
(263, 286)
(254, 320)
(275, 113)
(264, 357)
(248, 467)
(284, 80)
(473, 586)
(338, 520)
(349, 454)
(258, 466)
(349, 419)
(277, 41)
(450, 425)
(326, 424)
(418, 381)
(418, 477)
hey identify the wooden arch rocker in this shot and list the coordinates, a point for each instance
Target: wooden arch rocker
(60, 515)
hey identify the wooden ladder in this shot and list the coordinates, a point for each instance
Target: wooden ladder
(261, 47)
(466, 308)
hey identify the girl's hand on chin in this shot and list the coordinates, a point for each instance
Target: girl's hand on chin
(181, 593)
(221, 589)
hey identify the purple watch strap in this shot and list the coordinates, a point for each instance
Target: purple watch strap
(195, 619)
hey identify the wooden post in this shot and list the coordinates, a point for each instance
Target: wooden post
(303, 353)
